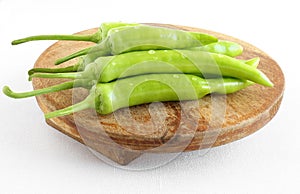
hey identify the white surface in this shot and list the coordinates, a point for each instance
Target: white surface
(35, 158)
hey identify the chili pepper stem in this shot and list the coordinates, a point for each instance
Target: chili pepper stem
(96, 37)
(89, 102)
(74, 55)
(69, 75)
(72, 68)
(102, 49)
(64, 86)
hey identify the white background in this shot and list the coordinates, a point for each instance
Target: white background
(35, 158)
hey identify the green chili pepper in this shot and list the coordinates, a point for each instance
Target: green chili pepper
(106, 98)
(96, 37)
(142, 37)
(86, 83)
(106, 69)
(222, 47)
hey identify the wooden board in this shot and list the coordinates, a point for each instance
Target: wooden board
(163, 127)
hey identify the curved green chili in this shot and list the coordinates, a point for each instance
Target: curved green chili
(106, 69)
(79, 82)
(106, 98)
(222, 47)
(142, 37)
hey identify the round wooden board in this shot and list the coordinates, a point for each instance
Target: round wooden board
(172, 126)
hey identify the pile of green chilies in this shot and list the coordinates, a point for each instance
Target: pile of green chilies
(133, 64)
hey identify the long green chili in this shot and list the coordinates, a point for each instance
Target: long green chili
(106, 69)
(106, 98)
(141, 37)
(221, 47)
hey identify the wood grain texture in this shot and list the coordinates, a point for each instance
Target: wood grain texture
(163, 127)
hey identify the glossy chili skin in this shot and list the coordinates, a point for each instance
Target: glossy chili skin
(172, 61)
(228, 48)
(160, 88)
(144, 37)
